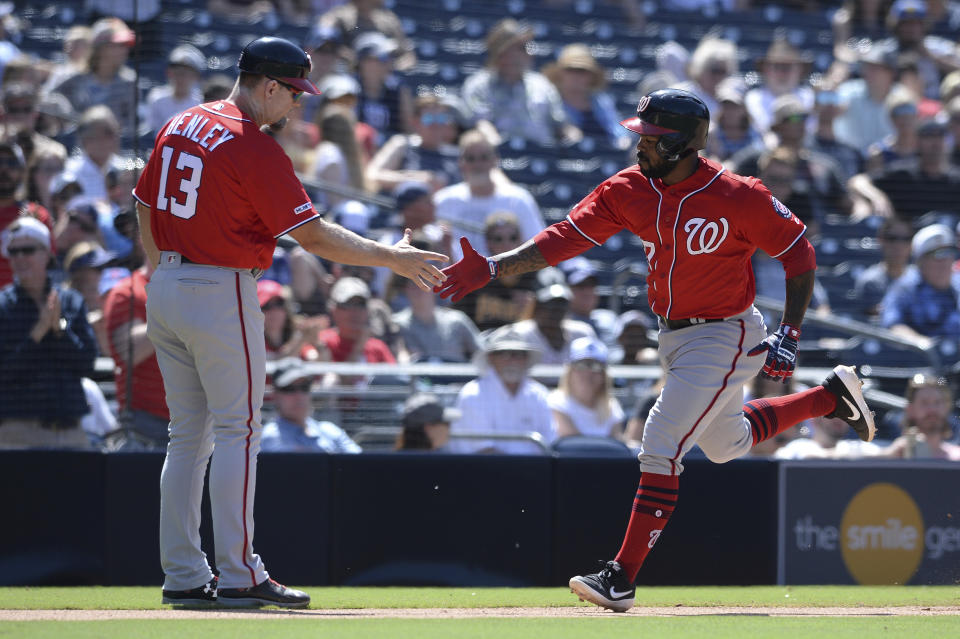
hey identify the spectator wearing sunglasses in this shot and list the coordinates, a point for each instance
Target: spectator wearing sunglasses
(466, 205)
(12, 206)
(507, 298)
(428, 154)
(583, 402)
(818, 175)
(46, 347)
(295, 429)
(18, 117)
(922, 305)
(869, 287)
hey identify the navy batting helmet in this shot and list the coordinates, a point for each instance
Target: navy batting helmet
(680, 118)
(279, 60)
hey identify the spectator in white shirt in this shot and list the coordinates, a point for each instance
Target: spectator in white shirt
(466, 205)
(99, 133)
(182, 90)
(503, 399)
(583, 404)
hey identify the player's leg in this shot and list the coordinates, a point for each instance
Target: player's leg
(233, 370)
(705, 369)
(184, 564)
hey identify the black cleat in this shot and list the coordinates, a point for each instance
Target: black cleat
(608, 588)
(267, 593)
(205, 595)
(851, 405)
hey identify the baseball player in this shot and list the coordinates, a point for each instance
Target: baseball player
(699, 225)
(214, 197)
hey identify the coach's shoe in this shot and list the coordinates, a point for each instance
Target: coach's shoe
(267, 593)
(851, 405)
(205, 595)
(608, 588)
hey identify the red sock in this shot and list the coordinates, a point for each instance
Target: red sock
(656, 498)
(772, 415)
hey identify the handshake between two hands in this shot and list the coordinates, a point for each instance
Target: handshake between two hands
(470, 273)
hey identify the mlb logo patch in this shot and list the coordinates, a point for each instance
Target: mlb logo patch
(781, 208)
(303, 207)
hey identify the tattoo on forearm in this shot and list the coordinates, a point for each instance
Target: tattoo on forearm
(799, 292)
(523, 259)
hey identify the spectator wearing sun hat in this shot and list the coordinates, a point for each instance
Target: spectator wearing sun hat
(503, 399)
(46, 347)
(580, 81)
(583, 402)
(508, 93)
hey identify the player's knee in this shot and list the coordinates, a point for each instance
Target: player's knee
(721, 457)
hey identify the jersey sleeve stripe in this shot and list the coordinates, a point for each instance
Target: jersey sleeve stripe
(577, 228)
(140, 200)
(790, 246)
(297, 225)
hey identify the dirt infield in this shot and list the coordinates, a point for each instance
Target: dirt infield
(461, 613)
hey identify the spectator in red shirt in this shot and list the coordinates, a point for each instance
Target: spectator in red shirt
(13, 171)
(349, 339)
(125, 315)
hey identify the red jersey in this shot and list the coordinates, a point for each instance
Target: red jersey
(374, 351)
(698, 235)
(221, 191)
(148, 391)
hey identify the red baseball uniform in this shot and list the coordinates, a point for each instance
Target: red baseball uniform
(698, 236)
(251, 186)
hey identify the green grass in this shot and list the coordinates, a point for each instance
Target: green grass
(602, 627)
(145, 598)
(596, 624)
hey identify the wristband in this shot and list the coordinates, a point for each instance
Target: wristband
(791, 331)
(494, 267)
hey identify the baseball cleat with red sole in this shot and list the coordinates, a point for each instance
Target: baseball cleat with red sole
(851, 405)
(608, 588)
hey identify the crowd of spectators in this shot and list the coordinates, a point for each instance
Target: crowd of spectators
(874, 135)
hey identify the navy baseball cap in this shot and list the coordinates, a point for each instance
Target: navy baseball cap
(409, 192)
(908, 9)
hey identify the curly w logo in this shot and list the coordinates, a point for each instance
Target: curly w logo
(703, 237)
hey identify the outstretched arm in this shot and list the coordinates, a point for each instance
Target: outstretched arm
(339, 244)
(523, 259)
(474, 271)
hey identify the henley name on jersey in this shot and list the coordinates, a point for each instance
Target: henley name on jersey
(193, 126)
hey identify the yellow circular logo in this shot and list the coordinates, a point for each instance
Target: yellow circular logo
(882, 535)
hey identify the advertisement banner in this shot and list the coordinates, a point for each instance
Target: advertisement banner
(857, 522)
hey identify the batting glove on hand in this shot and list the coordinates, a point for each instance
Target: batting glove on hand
(471, 273)
(781, 348)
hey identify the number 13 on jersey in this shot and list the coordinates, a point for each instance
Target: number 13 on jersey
(188, 185)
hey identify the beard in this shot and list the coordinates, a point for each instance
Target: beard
(512, 374)
(277, 126)
(655, 171)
